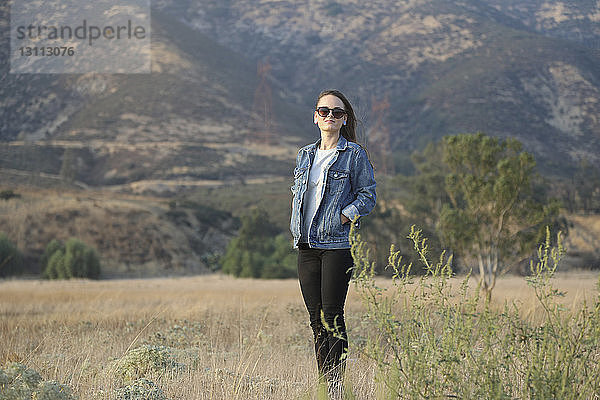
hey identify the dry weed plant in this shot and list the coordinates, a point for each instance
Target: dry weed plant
(431, 339)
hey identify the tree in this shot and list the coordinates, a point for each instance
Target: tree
(11, 259)
(427, 190)
(260, 250)
(493, 214)
(586, 186)
(74, 259)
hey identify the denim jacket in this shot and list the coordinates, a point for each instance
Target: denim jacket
(349, 189)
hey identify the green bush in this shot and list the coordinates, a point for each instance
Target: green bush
(429, 340)
(11, 259)
(51, 248)
(140, 389)
(74, 259)
(139, 362)
(259, 250)
(18, 382)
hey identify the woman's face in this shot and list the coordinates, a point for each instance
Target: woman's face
(329, 123)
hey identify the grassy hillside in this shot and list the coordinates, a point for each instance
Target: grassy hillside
(134, 236)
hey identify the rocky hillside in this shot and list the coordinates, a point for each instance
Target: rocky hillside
(572, 20)
(191, 122)
(447, 66)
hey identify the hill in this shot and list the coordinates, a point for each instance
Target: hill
(190, 122)
(528, 71)
(135, 236)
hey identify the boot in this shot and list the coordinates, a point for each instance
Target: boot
(321, 351)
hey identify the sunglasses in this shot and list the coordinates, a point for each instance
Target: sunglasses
(337, 112)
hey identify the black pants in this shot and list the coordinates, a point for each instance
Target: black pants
(324, 276)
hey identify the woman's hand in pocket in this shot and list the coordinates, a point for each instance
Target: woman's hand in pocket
(344, 219)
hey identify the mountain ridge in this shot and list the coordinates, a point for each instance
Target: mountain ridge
(391, 48)
(446, 67)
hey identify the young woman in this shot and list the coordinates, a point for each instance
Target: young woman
(334, 186)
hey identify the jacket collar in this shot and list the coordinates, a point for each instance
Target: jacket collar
(341, 144)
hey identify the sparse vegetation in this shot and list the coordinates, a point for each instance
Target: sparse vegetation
(238, 338)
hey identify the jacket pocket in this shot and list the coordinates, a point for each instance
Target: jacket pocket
(337, 230)
(336, 180)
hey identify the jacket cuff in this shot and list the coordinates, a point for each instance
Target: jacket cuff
(351, 211)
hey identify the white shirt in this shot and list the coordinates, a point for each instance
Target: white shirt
(314, 189)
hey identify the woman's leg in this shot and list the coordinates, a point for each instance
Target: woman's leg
(336, 273)
(324, 276)
(309, 275)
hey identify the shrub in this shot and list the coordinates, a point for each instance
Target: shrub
(74, 259)
(427, 341)
(9, 194)
(52, 390)
(18, 382)
(20, 372)
(273, 258)
(51, 248)
(11, 259)
(140, 389)
(142, 360)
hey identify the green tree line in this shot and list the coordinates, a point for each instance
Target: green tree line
(71, 259)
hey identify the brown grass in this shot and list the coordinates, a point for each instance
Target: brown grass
(253, 340)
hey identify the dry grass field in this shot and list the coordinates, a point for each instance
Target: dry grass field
(223, 338)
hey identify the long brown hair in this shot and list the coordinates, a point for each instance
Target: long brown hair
(349, 130)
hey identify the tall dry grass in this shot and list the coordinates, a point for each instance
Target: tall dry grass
(238, 338)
